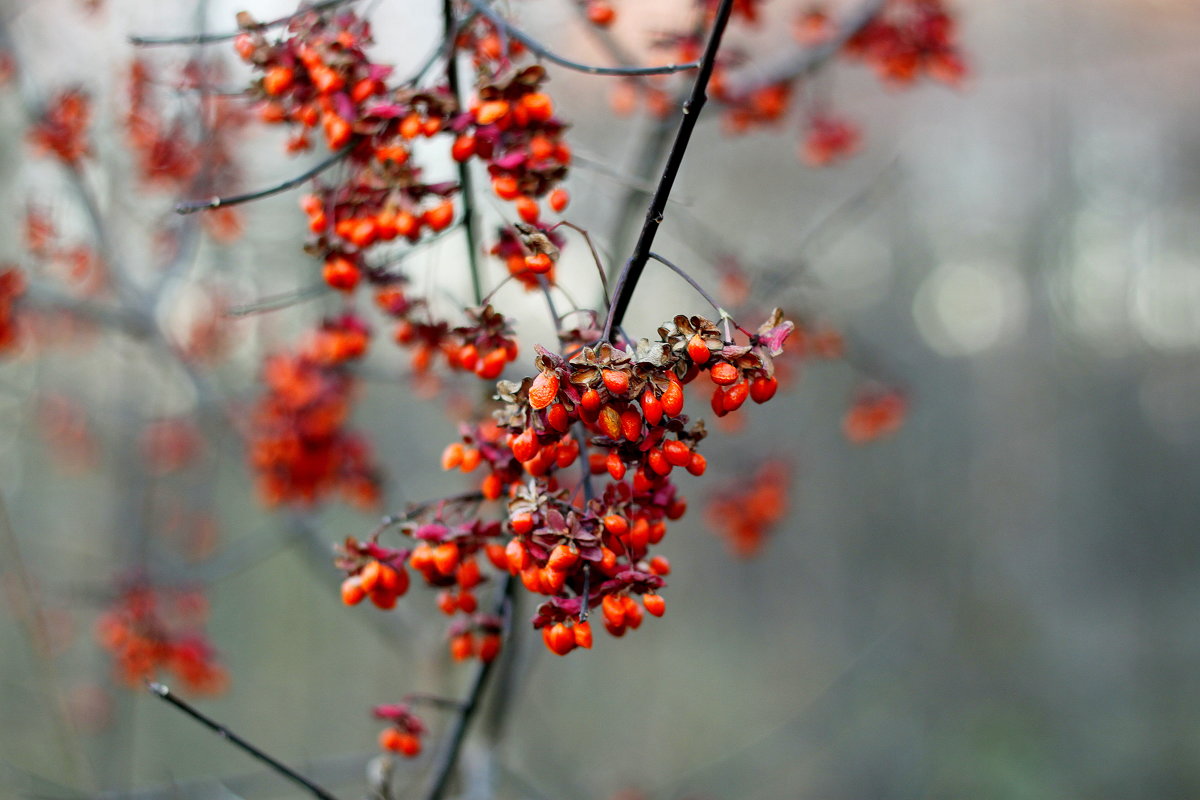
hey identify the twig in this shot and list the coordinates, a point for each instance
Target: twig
(277, 301)
(193, 206)
(632, 272)
(470, 219)
(691, 281)
(595, 256)
(542, 51)
(283, 769)
(458, 731)
(209, 38)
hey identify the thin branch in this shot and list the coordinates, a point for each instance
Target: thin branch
(278, 301)
(691, 282)
(209, 38)
(295, 777)
(808, 59)
(193, 206)
(595, 256)
(454, 740)
(632, 272)
(470, 218)
(542, 51)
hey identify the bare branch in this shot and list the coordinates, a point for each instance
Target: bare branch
(193, 206)
(542, 51)
(209, 38)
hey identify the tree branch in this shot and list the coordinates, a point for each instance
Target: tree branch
(209, 38)
(632, 272)
(542, 51)
(193, 206)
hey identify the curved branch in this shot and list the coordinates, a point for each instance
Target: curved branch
(209, 38)
(193, 206)
(542, 51)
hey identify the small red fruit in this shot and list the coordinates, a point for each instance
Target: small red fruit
(616, 381)
(723, 373)
(763, 389)
(543, 391)
(559, 199)
(654, 604)
(697, 350)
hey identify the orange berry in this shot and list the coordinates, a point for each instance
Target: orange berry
(609, 423)
(383, 599)
(447, 602)
(468, 575)
(538, 105)
(491, 111)
(543, 390)
(431, 127)
(658, 462)
(410, 126)
(600, 13)
(538, 263)
(660, 566)
(489, 647)
(371, 575)
(631, 425)
(697, 350)
(672, 397)
(654, 604)
(557, 418)
(495, 554)
(462, 646)
(440, 216)
(522, 523)
(698, 464)
(652, 408)
(561, 639)
(491, 487)
(341, 273)
(559, 199)
(337, 131)
(677, 453)
(763, 389)
(452, 456)
(583, 634)
(633, 613)
(736, 395)
(552, 580)
(352, 591)
(615, 381)
(723, 373)
(517, 555)
(615, 466)
(463, 148)
(467, 602)
(590, 401)
(525, 446)
(278, 80)
(491, 365)
(527, 209)
(470, 460)
(616, 524)
(613, 607)
(563, 557)
(445, 557)
(505, 187)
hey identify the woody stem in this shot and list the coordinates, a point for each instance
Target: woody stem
(632, 272)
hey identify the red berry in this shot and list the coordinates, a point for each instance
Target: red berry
(543, 391)
(559, 199)
(723, 373)
(677, 453)
(697, 350)
(654, 604)
(763, 389)
(615, 381)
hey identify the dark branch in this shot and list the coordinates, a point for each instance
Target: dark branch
(209, 38)
(691, 281)
(458, 731)
(542, 51)
(193, 206)
(165, 693)
(470, 220)
(632, 272)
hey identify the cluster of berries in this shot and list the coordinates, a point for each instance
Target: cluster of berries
(298, 443)
(745, 515)
(484, 345)
(628, 408)
(908, 38)
(446, 555)
(62, 129)
(144, 638)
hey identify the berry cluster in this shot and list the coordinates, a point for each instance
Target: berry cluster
(144, 638)
(446, 555)
(298, 442)
(744, 516)
(908, 38)
(62, 129)
(403, 734)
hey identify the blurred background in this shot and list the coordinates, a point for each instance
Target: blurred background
(999, 600)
